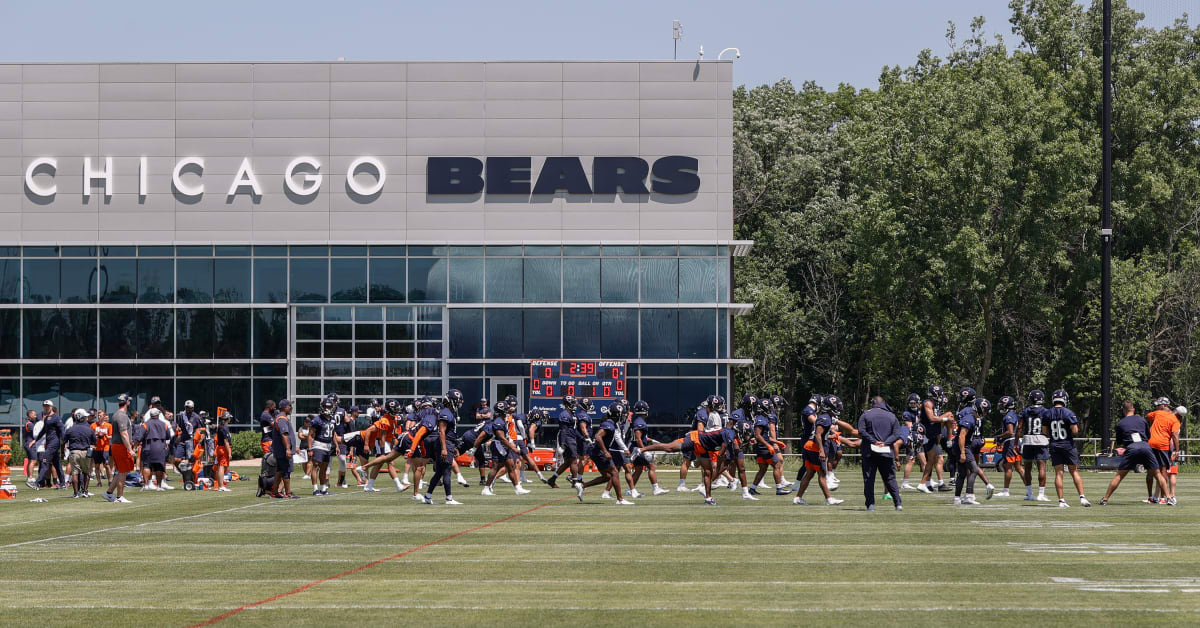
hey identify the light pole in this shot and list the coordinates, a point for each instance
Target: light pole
(737, 54)
(1106, 237)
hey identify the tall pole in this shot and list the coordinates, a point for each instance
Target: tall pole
(1106, 237)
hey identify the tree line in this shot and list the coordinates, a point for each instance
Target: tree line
(945, 227)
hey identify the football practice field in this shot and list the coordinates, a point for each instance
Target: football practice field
(544, 559)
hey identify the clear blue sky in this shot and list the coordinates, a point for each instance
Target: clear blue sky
(829, 41)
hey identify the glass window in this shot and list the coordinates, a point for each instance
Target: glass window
(542, 333)
(41, 281)
(339, 331)
(401, 368)
(234, 395)
(660, 333)
(348, 251)
(195, 280)
(10, 334)
(41, 251)
(697, 334)
(581, 280)
(349, 279)
(722, 335)
(194, 333)
(543, 280)
(118, 281)
(10, 280)
(697, 280)
(543, 251)
(231, 333)
(658, 251)
(118, 334)
(466, 251)
(723, 279)
(503, 251)
(270, 333)
(466, 280)
(155, 334)
(620, 251)
(426, 251)
(619, 280)
(338, 314)
(660, 280)
(429, 332)
(156, 280)
(368, 314)
(193, 251)
(59, 334)
(308, 313)
(367, 331)
(401, 388)
(503, 280)
(387, 280)
(310, 251)
(155, 251)
(78, 280)
(368, 387)
(233, 251)
(581, 333)
(270, 251)
(693, 251)
(231, 280)
(117, 251)
(394, 251)
(426, 280)
(692, 392)
(575, 250)
(663, 397)
(503, 333)
(310, 280)
(399, 314)
(429, 368)
(466, 333)
(264, 389)
(429, 386)
(10, 403)
(429, 350)
(270, 280)
(618, 333)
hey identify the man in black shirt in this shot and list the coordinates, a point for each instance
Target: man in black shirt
(1133, 434)
(80, 438)
(880, 430)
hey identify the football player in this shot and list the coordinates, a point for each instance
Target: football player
(814, 452)
(503, 450)
(518, 431)
(381, 432)
(972, 412)
(1061, 425)
(568, 441)
(695, 445)
(913, 441)
(739, 428)
(1009, 452)
(766, 452)
(1133, 434)
(1164, 440)
(321, 443)
(641, 440)
(603, 454)
(932, 418)
(1035, 447)
(443, 445)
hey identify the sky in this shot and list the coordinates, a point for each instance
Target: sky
(827, 41)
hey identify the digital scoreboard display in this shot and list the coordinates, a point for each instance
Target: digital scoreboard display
(595, 379)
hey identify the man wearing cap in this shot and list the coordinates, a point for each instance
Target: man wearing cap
(283, 445)
(1164, 441)
(80, 438)
(880, 430)
(186, 423)
(266, 471)
(122, 451)
(101, 463)
(139, 429)
(51, 455)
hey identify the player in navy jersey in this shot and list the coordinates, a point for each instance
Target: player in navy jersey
(505, 452)
(814, 452)
(568, 441)
(1061, 425)
(472, 441)
(1132, 444)
(640, 439)
(739, 429)
(442, 445)
(533, 424)
(833, 448)
(696, 445)
(1035, 447)
(1010, 453)
(969, 443)
(744, 413)
(321, 444)
(930, 427)
(912, 442)
(602, 454)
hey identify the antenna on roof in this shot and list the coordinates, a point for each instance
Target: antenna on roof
(676, 34)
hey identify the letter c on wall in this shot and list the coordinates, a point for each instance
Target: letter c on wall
(32, 185)
(177, 180)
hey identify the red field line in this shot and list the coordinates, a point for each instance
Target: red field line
(373, 563)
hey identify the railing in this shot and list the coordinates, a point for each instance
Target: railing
(1189, 448)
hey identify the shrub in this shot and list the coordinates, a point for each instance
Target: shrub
(246, 445)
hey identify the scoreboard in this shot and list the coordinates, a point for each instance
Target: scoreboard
(595, 379)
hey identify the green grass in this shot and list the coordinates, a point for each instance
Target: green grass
(175, 559)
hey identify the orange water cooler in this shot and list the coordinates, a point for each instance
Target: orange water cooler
(7, 490)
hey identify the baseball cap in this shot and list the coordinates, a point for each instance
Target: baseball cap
(284, 403)
(189, 404)
(154, 400)
(48, 403)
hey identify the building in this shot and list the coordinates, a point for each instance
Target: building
(234, 232)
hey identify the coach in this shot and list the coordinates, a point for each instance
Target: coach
(879, 430)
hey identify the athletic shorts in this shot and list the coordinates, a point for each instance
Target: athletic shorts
(1064, 456)
(156, 467)
(180, 451)
(320, 456)
(763, 456)
(1141, 455)
(570, 445)
(643, 460)
(687, 449)
(832, 449)
(354, 442)
(522, 448)
(1163, 457)
(266, 447)
(620, 458)
(122, 458)
(931, 448)
(78, 461)
(733, 454)
(99, 457)
(1010, 453)
(812, 460)
(283, 464)
(602, 463)
(1035, 452)
(500, 452)
(480, 458)
(29, 455)
(222, 456)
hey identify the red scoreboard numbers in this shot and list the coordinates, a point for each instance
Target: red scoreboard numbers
(596, 379)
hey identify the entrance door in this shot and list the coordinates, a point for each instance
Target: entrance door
(502, 388)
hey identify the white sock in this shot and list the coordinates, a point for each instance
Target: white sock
(461, 479)
(540, 476)
(745, 492)
(397, 481)
(517, 486)
(655, 486)
(405, 480)
(683, 482)
(1042, 491)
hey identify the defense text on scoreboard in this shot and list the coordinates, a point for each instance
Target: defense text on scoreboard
(596, 379)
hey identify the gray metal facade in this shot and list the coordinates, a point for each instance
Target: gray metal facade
(400, 113)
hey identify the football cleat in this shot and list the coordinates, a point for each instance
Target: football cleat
(427, 499)
(720, 483)
(1003, 493)
(783, 491)
(799, 501)
(521, 490)
(991, 491)
(908, 487)
(710, 502)
(1150, 500)
(1084, 502)
(957, 501)
(578, 486)
(450, 501)
(833, 501)
(942, 488)
(463, 482)
(552, 481)
(754, 491)
(749, 497)
(487, 492)
(624, 502)
(370, 489)
(316, 491)
(661, 491)
(605, 495)
(1042, 498)
(924, 488)
(417, 497)
(899, 507)
(1103, 502)
(970, 500)
(1062, 503)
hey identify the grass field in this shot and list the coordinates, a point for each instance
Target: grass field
(179, 559)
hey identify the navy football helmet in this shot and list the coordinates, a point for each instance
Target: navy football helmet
(585, 404)
(618, 410)
(966, 396)
(833, 404)
(914, 402)
(763, 406)
(748, 402)
(392, 407)
(568, 402)
(982, 407)
(934, 392)
(642, 409)
(500, 409)
(779, 403)
(1060, 396)
(1036, 397)
(453, 399)
(1006, 403)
